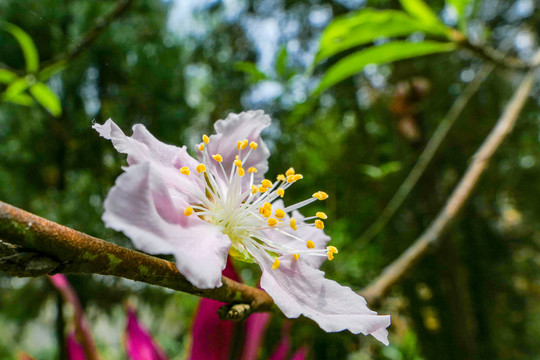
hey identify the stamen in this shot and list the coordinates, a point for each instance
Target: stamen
(330, 255)
(238, 144)
(189, 211)
(262, 189)
(253, 145)
(290, 172)
(206, 139)
(293, 224)
(253, 189)
(310, 244)
(332, 249)
(296, 256)
(252, 170)
(241, 171)
(319, 224)
(281, 177)
(272, 222)
(201, 147)
(280, 192)
(297, 177)
(244, 144)
(217, 157)
(321, 195)
(201, 168)
(238, 163)
(184, 170)
(266, 183)
(321, 215)
(275, 265)
(280, 214)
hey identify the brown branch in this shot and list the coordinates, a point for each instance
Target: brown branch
(402, 265)
(75, 252)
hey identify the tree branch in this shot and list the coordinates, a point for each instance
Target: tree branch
(402, 265)
(74, 252)
(425, 158)
(497, 57)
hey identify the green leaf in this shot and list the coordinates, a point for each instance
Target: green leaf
(6, 76)
(21, 99)
(380, 172)
(420, 10)
(52, 69)
(14, 89)
(389, 52)
(367, 25)
(27, 45)
(281, 61)
(47, 98)
(251, 69)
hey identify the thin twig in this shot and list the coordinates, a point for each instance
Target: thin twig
(425, 158)
(497, 57)
(80, 253)
(432, 235)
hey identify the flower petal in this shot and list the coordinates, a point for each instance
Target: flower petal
(246, 125)
(168, 159)
(141, 206)
(299, 289)
(139, 343)
(211, 337)
(74, 349)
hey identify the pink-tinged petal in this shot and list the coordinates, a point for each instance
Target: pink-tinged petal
(138, 342)
(255, 329)
(74, 349)
(319, 238)
(299, 289)
(301, 353)
(82, 328)
(167, 159)
(284, 346)
(142, 207)
(246, 125)
(211, 337)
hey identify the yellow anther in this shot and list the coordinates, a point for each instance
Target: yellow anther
(310, 244)
(201, 168)
(265, 212)
(201, 147)
(238, 144)
(262, 189)
(252, 170)
(281, 177)
(206, 139)
(297, 177)
(272, 222)
(332, 249)
(236, 157)
(280, 192)
(275, 265)
(290, 179)
(217, 157)
(189, 211)
(321, 215)
(280, 214)
(238, 163)
(330, 255)
(244, 144)
(319, 224)
(266, 183)
(253, 145)
(267, 205)
(241, 171)
(184, 170)
(321, 195)
(253, 189)
(296, 256)
(293, 224)
(290, 172)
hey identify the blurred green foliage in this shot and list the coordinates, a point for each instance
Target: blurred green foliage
(179, 66)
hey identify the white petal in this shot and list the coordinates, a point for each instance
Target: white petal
(140, 205)
(246, 125)
(299, 289)
(167, 159)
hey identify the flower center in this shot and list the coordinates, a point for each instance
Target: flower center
(247, 212)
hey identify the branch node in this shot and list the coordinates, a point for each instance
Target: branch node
(235, 312)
